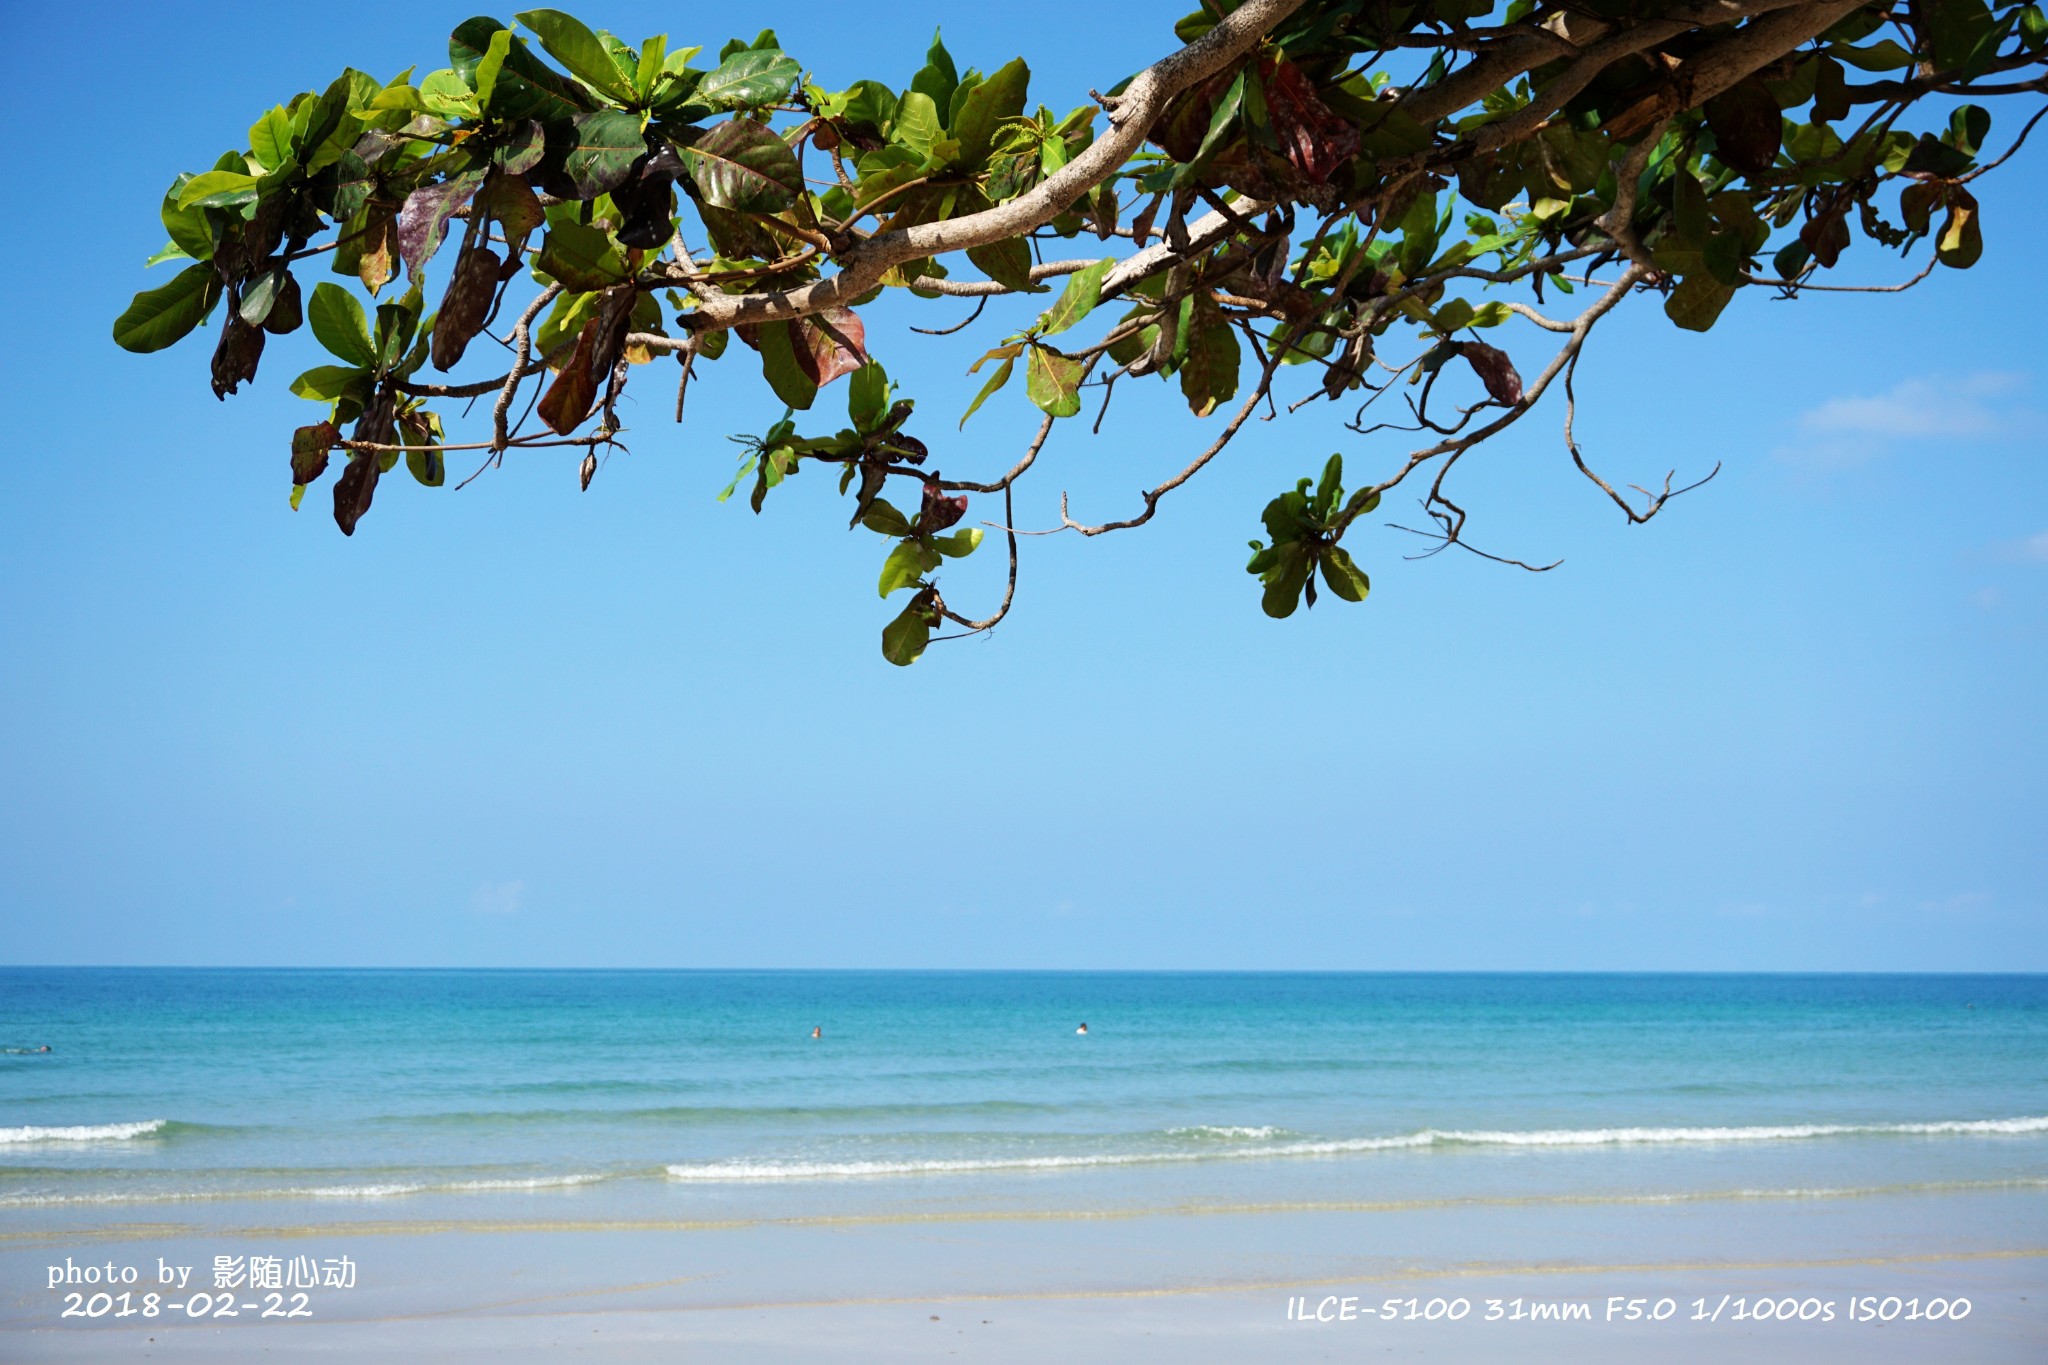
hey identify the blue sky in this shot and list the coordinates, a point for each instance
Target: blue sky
(1795, 723)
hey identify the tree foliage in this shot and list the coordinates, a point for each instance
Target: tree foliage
(1357, 197)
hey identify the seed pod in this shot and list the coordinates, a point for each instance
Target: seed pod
(234, 359)
(354, 489)
(379, 423)
(588, 471)
(466, 305)
(358, 483)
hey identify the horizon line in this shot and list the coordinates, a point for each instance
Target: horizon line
(1069, 971)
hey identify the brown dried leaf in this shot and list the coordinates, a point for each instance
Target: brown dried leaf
(234, 359)
(309, 450)
(1495, 370)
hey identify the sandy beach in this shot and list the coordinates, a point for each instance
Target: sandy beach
(1529, 1280)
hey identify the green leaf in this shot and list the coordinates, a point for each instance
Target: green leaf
(1052, 381)
(170, 251)
(260, 295)
(744, 80)
(867, 397)
(869, 105)
(1220, 124)
(903, 568)
(427, 466)
(999, 97)
(160, 317)
(995, 381)
(608, 142)
(397, 321)
(329, 383)
(1884, 55)
(339, 325)
(779, 365)
(576, 47)
(743, 165)
(490, 65)
(936, 81)
(1077, 300)
(1345, 578)
(1290, 566)
(565, 319)
(882, 516)
(404, 99)
(1697, 301)
(1962, 236)
(217, 189)
(905, 638)
(526, 86)
(916, 127)
(1955, 28)
(1329, 488)
(582, 258)
(1455, 313)
(960, 544)
(188, 227)
(1006, 262)
(270, 139)
(647, 69)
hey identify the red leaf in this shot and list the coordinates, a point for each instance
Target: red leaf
(938, 511)
(1315, 140)
(567, 401)
(424, 218)
(831, 344)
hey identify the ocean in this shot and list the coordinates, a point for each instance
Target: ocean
(595, 1095)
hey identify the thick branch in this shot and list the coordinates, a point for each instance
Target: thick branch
(1130, 121)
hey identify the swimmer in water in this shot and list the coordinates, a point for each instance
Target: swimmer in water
(818, 1031)
(44, 1048)
(1082, 1029)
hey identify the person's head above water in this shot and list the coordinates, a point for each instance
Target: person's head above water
(818, 1031)
(1082, 1029)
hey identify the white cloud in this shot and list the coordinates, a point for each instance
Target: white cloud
(498, 898)
(1919, 408)
(2032, 550)
(1852, 429)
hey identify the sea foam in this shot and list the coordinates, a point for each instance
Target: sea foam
(759, 1171)
(391, 1189)
(97, 1132)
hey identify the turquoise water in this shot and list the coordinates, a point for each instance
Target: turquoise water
(685, 1094)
